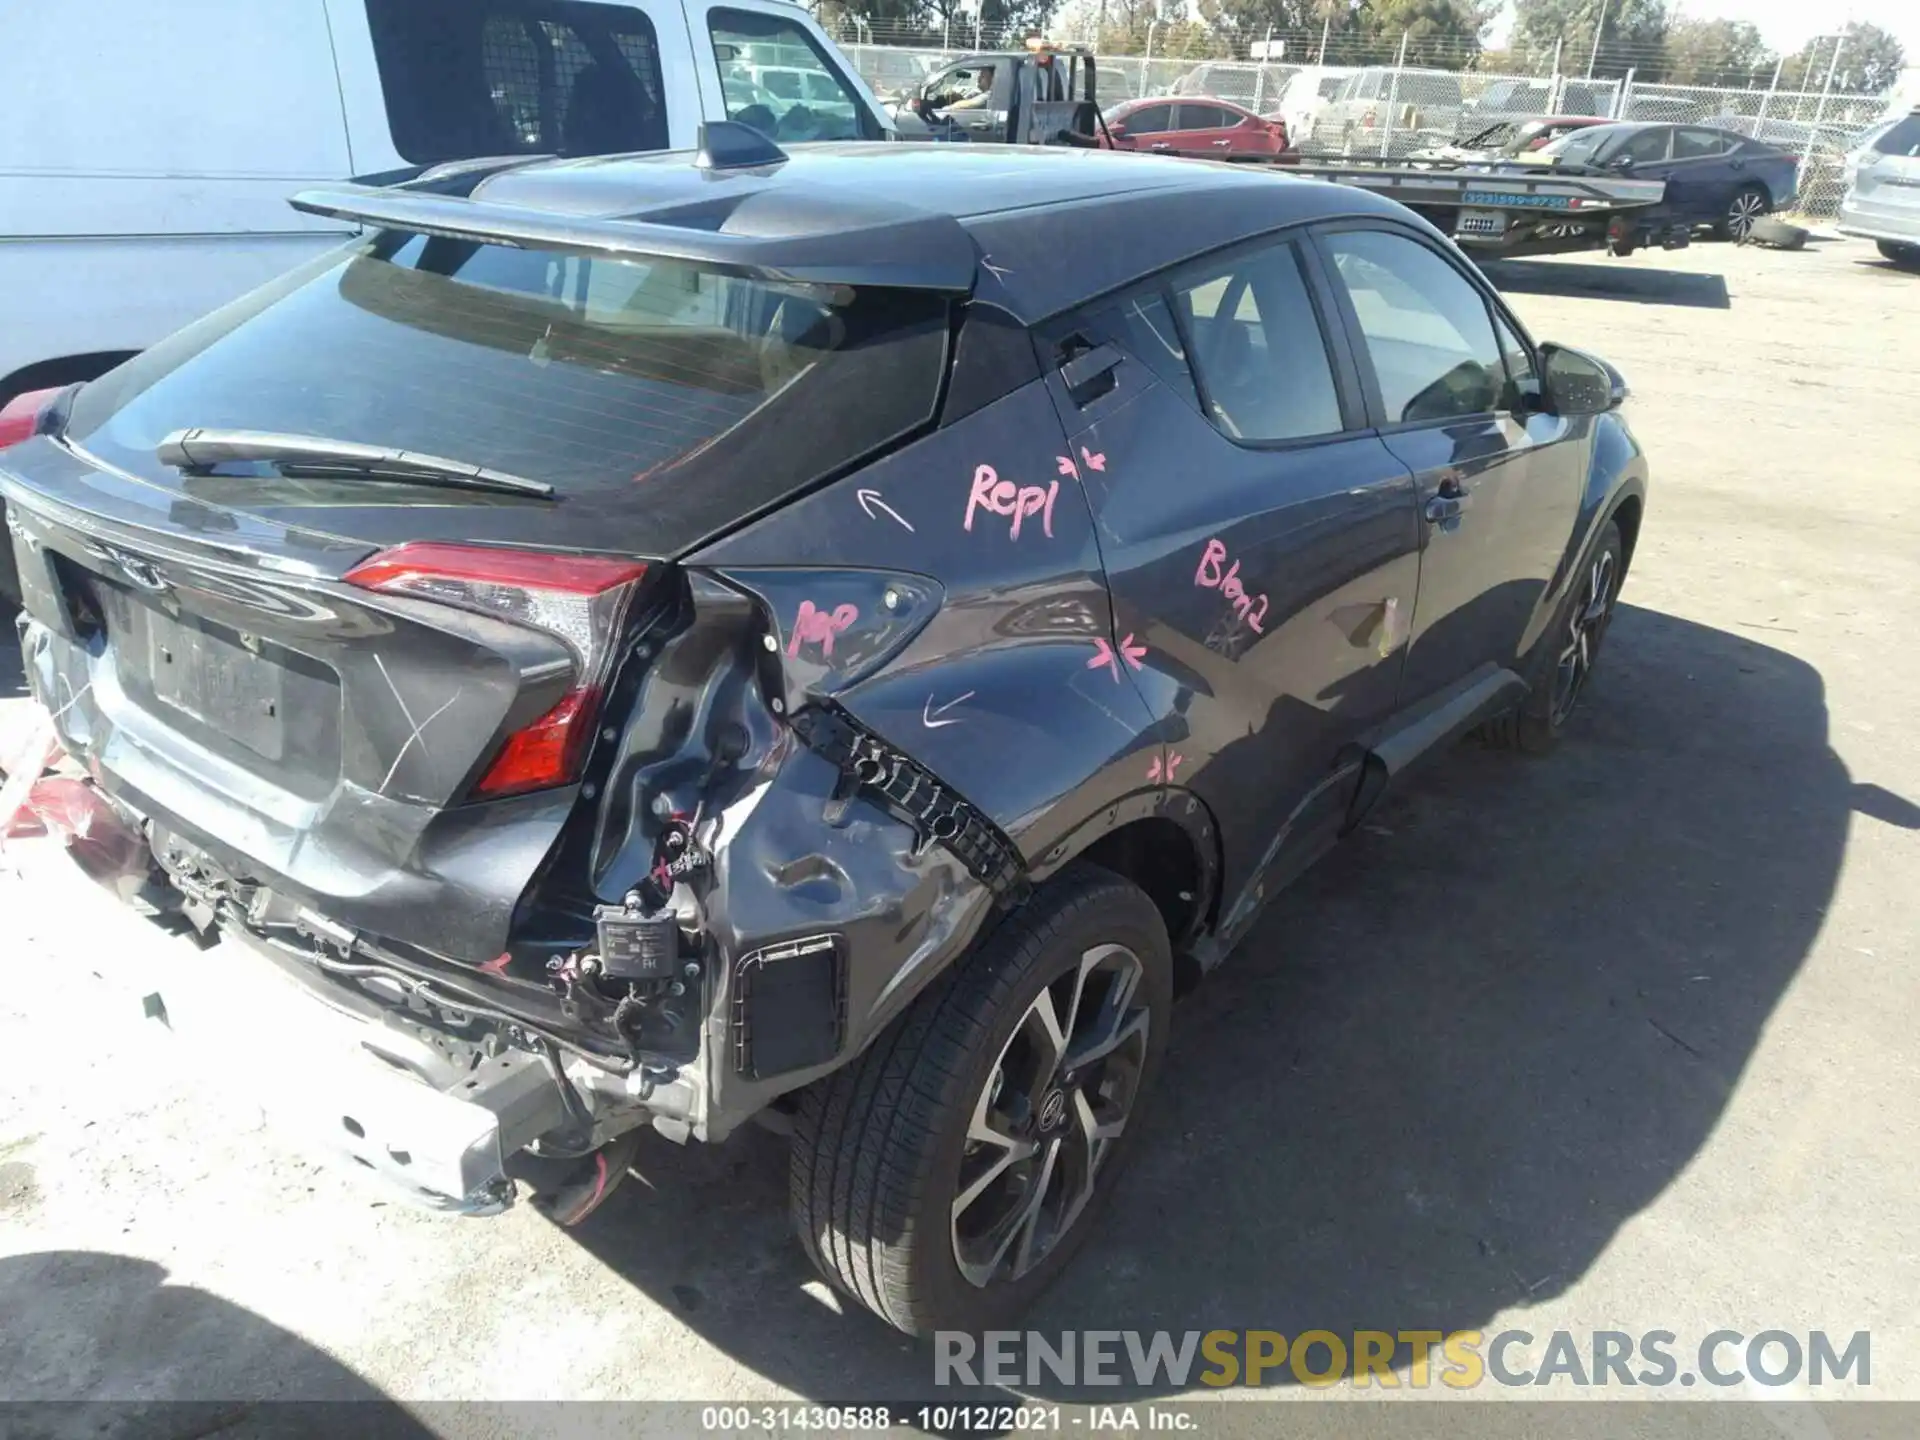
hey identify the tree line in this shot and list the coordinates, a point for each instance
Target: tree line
(1648, 37)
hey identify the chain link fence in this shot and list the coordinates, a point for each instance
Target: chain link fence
(1392, 112)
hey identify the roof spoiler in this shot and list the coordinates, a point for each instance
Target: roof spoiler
(915, 251)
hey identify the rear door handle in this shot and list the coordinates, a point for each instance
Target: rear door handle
(1223, 144)
(1084, 369)
(1442, 508)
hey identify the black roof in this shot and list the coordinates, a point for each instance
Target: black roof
(1053, 226)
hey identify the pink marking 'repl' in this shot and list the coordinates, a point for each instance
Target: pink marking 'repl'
(1251, 608)
(1003, 497)
(816, 626)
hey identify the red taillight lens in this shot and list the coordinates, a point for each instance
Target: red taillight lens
(22, 417)
(547, 753)
(580, 599)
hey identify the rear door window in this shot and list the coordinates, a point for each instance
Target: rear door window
(1256, 345)
(802, 95)
(465, 78)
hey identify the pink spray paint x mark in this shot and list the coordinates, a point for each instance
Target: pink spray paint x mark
(1103, 654)
(1003, 497)
(816, 626)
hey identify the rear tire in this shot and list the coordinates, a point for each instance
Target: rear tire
(1564, 661)
(950, 1143)
(1907, 257)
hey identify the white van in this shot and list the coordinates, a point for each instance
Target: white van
(1305, 96)
(147, 149)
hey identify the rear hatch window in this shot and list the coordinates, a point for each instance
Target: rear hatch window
(662, 400)
(1902, 139)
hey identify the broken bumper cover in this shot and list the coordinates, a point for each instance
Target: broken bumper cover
(438, 1135)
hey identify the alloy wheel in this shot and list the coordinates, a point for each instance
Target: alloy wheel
(1054, 1103)
(1748, 206)
(1585, 628)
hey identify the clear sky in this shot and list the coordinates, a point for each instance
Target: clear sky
(1789, 24)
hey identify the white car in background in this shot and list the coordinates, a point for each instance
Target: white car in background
(1882, 203)
(1305, 96)
(149, 184)
(144, 180)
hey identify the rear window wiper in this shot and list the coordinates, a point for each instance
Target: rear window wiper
(198, 451)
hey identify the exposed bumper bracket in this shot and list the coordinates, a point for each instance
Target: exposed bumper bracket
(910, 792)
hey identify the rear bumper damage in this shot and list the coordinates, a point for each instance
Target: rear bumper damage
(818, 920)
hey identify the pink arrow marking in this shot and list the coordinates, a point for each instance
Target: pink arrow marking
(1067, 467)
(1131, 651)
(1094, 462)
(1174, 757)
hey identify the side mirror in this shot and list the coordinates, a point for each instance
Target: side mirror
(1118, 131)
(1622, 163)
(1579, 384)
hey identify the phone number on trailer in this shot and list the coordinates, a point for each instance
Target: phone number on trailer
(946, 1419)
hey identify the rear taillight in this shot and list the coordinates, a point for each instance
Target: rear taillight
(27, 415)
(580, 600)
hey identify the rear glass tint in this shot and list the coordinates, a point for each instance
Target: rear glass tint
(1902, 139)
(464, 78)
(609, 378)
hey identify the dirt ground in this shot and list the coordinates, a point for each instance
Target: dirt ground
(1624, 1038)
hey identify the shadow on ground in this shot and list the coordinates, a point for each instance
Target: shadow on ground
(1443, 1072)
(101, 1345)
(1626, 278)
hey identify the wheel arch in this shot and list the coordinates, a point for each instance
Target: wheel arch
(1163, 841)
(1626, 514)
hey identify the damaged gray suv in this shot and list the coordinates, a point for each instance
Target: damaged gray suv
(645, 644)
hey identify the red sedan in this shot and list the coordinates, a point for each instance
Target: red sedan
(1193, 125)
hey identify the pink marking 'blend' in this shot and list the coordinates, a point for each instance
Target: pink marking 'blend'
(1211, 577)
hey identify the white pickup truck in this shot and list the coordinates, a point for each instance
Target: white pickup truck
(147, 151)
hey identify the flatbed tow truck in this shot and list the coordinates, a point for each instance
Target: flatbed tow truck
(1048, 97)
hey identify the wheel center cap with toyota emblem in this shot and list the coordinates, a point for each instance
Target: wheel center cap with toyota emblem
(1053, 1110)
